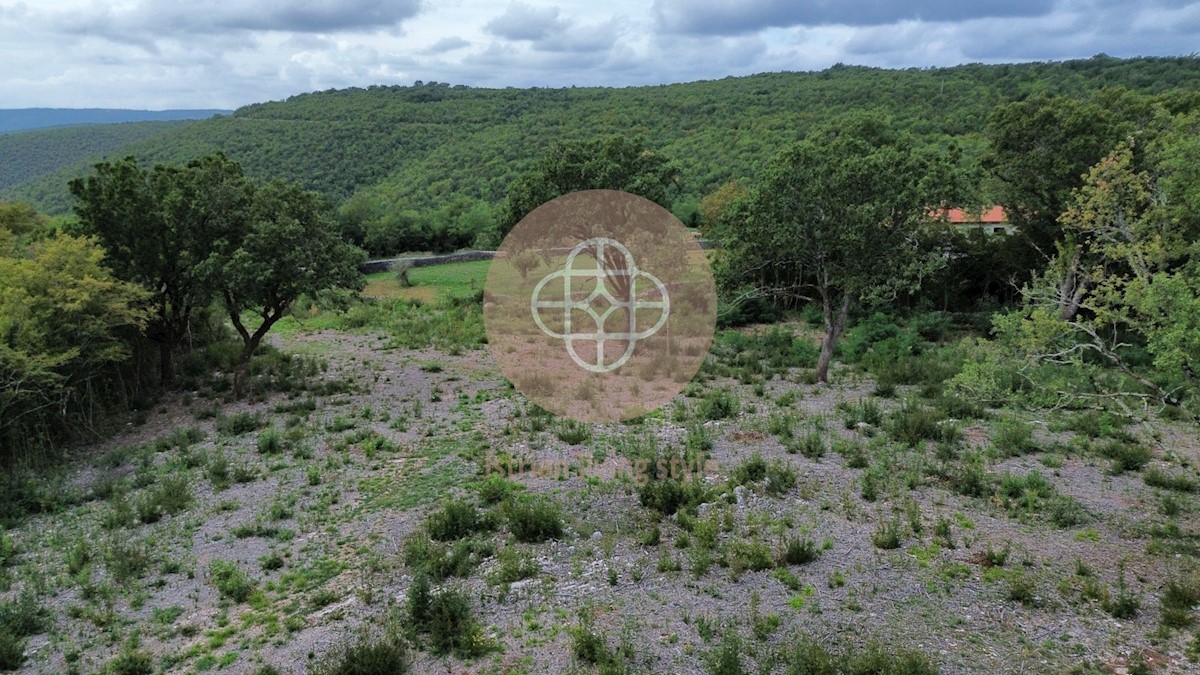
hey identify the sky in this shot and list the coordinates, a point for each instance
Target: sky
(160, 54)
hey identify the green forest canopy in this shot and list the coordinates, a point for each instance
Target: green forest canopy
(409, 148)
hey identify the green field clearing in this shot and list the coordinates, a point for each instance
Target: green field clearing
(430, 283)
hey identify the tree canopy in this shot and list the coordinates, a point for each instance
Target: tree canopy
(834, 220)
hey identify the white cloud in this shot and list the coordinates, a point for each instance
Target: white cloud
(167, 53)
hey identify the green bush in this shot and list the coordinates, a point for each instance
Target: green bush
(171, 496)
(24, 615)
(515, 565)
(969, 477)
(589, 646)
(452, 626)
(496, 488)
(876, 660)
(669, 495)
(726, 658)
(861, 411)
(888, 535)
(718, 405)
(1126, 455)
(805, 656)
(12, 651)
(270, 441)
(799, 551)
(534, 520)
(811, 445)
(132, 660)
(913, 423)
(752, 470)
(455, 520)
(1011, 437)
(440, 561)
(1178, 482)
(1179, 597)
(368, 654)
(230, 581)
(239, 423)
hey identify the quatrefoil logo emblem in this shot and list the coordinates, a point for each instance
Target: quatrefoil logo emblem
(599, 306)
(616, 295)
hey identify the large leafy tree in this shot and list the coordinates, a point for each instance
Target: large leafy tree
(1138, 252)
(63, 317)
(202, 231)
(1039, 150)
(834, 220)
(611, 163)
(158, 226)
(288, 246)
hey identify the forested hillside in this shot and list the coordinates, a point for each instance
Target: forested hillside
(410, 148)
(38, 152)
(20, 119)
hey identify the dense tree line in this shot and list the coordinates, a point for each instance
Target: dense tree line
(153, 255)
(396, 155)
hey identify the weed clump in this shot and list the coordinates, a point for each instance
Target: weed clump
(533, 521)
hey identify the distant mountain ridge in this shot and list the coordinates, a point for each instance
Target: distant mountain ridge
(21, 119)
(410, 151)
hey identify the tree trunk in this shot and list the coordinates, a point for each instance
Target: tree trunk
(166, 362)
(1071, 290)
(834, 325)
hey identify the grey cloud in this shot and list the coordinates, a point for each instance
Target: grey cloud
(522, 22)
(447, 44)
(177, 17)
(720, 17)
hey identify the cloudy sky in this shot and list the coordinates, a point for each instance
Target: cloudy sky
(226, 53)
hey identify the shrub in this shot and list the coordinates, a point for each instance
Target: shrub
(131, 661)
(912, 423)
(1011, 437)
(442, 561)
(1179, 596)
(534, 520)
(718, 405)
(888, 535)
(726, 658)
(23, 615)
(669, 495)
(748, 555)
(515, 565)
(368, 654)
(805, 656)
(861, 411)
(171, 496)
(12, 651)
(572, 432)
(751, 470)
(589, 646)
(1178, 482)
(495, 489)
(1125, 455)
(270, 441)
(455, 520)
(876, 659)
(1124, 604)
(230, 581)
(810, 445)
(969, 478)
(799, 551)
(239, 423)
(780, 478)
(452, 626)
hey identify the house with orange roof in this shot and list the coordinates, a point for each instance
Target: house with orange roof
(991, 220)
